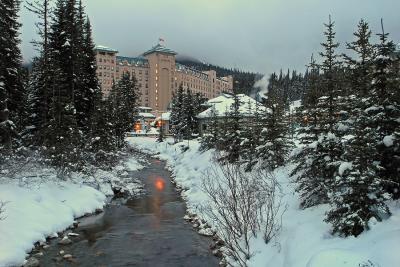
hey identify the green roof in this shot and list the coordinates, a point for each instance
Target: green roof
(105, 49)
(160, 49)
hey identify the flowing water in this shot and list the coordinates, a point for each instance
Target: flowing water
(144, 231)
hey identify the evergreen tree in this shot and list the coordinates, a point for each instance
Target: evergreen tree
(177, 113)
(40, 78)
(11, 89)
(357, 193)
(92, 95)
(233, 138)
(123, 97)
(385, 112)
(189, 112)
(251, 135)
(360, 67)
(62, 136)
(309, 175)
(319, 158)
(275, 145)
(212, 135)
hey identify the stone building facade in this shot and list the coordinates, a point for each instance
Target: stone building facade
(158, 76)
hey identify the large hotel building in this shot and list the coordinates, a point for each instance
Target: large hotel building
(158, 76)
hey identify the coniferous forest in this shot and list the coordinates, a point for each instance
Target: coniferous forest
(58, 110)
(346, 129)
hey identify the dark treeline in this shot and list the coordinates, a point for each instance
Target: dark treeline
(290, 86)
(59, 109)
(243, 80)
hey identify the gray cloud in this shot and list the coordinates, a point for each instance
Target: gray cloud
(256, 35)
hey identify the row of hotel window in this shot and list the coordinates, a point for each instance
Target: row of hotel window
(105, 60)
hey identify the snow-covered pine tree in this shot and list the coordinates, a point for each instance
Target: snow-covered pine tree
(103, 139)
(86, 80)
(198, 101)
(329, 148)
(309, 179)
(357, 193)
(189, 125)
(92, 94)
(233, 138)
(40, 78)
(211, 137)
(62, 136)
(319, 157)
(177, 113)
(274, 146)
(123, 97)
(385, 113)
(360, 67)
(250, 135)
(11, 89)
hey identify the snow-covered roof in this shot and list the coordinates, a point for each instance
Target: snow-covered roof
(147, 115)
(222, 105)
(105, 49)
(165, 116)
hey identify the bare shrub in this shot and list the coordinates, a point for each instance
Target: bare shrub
(243, 205)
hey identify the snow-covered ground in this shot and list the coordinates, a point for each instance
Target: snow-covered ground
(32, 214)
(39, 205)
(305, 239)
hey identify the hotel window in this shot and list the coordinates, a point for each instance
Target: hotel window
(112, 61)
(147, 86)
(156, 71)
(156, 84)
(156, 78)
(140, 72)
(112, 68)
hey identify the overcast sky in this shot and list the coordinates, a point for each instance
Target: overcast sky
(255, 35)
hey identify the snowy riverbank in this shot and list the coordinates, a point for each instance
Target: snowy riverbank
(305, 239)
(38, 205)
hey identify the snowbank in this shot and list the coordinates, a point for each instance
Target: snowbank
(32, 214)
(38, 204)
(305, 239)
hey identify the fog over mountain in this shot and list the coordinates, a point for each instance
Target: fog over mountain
(255, 35)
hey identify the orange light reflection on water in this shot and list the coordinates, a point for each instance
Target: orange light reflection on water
(159, 184)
